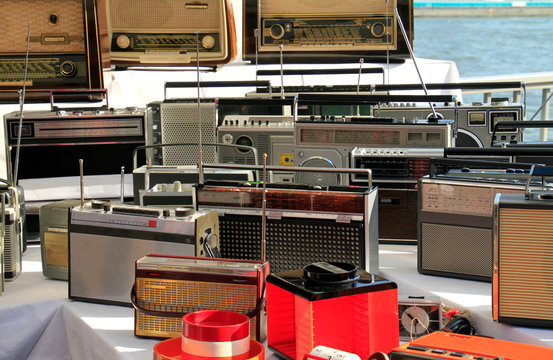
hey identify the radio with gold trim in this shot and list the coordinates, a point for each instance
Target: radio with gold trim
(325, 29)
(174, 33)
(63, 47)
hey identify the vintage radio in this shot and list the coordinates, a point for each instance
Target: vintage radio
(325, 31)
(271, 134)
(63, 47)
(18, 200)
(418, 316)
(521, 259)
(306, 307)
(304, 224)
(53, 218)
(475, 122)
(167, 287)
(174, 185)
(176, 121)
(454, 224)
(104, 138)
(105, 240)
(12, 235)
(446, 345)
(171, 33)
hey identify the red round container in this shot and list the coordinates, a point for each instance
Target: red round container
(171, 350)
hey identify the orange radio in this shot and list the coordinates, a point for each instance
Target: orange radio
(445, 345)
(63, 47)
(169, 33)
(325, 30)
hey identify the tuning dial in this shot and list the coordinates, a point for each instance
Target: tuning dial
(123, 41)
(227, 139)
(68, 69)
(277, 31)
(208, 42)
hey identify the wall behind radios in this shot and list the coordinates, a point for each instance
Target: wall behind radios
(63, 47)
(162, 33)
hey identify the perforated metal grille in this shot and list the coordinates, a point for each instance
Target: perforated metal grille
(179, 124)
(11, 249)
(525, 254)
(292, 243)
(456, 249)
(185, 296)
(142, 15)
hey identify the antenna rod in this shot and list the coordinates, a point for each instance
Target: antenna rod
(359, 80)
(200, 160)
(414, 61)
(21, 102)
(256, 35)
(81, 175)
(122, 184)
(263, 212)
(281, 73)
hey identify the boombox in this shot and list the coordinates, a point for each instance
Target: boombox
(168, 287)
(304, 224)
(170, 33)
(271, 135)
(521, 262)
(445, 345)
(63, 47)
(12, 235)
(455, 221)
(104, 138)
(325, 31)
(475, 123)
(53, 218)
(176, 121)
(105, 240)
(174, 185)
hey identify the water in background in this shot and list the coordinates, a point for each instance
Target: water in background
(485, 46)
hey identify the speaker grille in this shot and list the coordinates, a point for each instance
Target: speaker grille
(459, 250)
(292, 243)
(184, 296)
(525, 260)
(165, 15)
(179, 124)
(12, 251)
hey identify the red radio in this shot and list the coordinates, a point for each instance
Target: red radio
(444, 345)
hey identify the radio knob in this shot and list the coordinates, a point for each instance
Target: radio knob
(208, 42)
(184, 211)
(277, 31)
(123, 41)
(53, 19)
(68, 69)
(227, 139)
(378, 29)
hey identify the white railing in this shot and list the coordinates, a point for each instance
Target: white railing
(532, 81)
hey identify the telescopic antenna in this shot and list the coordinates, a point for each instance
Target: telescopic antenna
(200, 159)
(402, 28)
(263, 212)
(21, 102)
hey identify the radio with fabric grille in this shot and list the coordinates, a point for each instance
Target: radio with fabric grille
(325, 30)
(168, 287)
(170, 32)
(63, 47)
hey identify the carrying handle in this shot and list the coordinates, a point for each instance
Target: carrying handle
(204, 84)
(251, 314)
(91, 94)
(371, 99)
(439, 166)
(520, 124)
(368, 172)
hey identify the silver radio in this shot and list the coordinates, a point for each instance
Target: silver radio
(455, 219)
(270, 134)
(105, 241)
(475, 122)
(12, 233)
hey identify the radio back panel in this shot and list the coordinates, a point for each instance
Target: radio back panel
(63, 47)
(325, 31)
(161, 33)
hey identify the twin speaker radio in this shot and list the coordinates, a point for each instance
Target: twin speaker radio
(325, 31)
(169, 33)
(63, 47)
(475, 122)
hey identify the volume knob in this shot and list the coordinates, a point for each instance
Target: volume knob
(208, 42)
